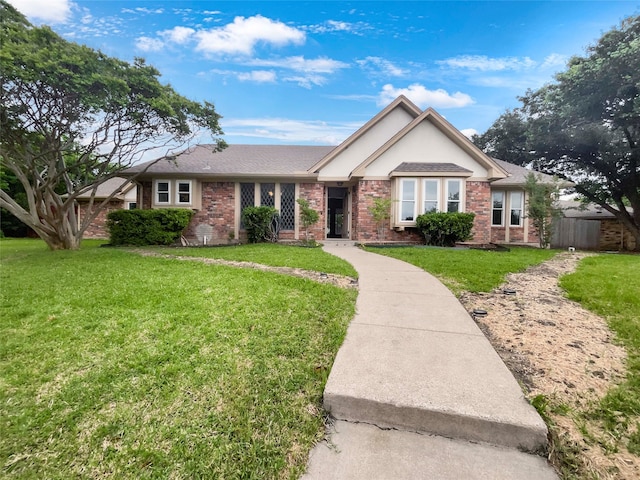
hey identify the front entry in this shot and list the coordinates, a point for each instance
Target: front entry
(338, 212)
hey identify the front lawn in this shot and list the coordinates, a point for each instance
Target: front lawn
(468, 270)
(121, 366)
(609, 285)
(272, 254)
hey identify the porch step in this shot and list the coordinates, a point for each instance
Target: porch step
(338, 242)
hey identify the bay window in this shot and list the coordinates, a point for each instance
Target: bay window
(453, 195)
(497, 209)
(408, 200)
(515, 203)
(431, 196)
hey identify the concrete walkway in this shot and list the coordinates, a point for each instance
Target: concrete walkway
(417, 391)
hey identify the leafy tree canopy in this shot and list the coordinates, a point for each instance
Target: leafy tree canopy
(72, 117)
(584, 126)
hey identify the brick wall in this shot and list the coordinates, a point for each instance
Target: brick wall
(365, 227)
(147, 194)
(478, 201)
(516, 234)
(98, 228)
(314, 194)
(614, 236)
(216, 218)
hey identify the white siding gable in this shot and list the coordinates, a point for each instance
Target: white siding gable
(424, 144)
(345, 162)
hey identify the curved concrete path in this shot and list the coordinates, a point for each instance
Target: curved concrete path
(417, 391)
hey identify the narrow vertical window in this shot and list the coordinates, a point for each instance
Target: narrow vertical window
(287, 206)
(453, 195)
(162, 191)
(267, 194)
(497, 209)
(515, 201)
(408, 200)
(431, 196)
(247, 198)
(183, 192)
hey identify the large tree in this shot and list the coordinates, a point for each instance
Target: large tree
(585, 126)
(72, 117)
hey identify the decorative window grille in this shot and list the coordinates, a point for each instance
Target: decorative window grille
(267, 194)
(247, 198)
(287, 206)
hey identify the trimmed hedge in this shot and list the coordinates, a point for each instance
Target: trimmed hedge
(444, 229)
(147, 227)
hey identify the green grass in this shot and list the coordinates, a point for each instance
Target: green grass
(468, 270)
(272, 254)
(609, 285)
(121, 366)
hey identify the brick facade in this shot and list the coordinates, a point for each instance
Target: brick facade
(615, 236)
(478, 201)
(98, 227)
(216, 219)
(314, 193)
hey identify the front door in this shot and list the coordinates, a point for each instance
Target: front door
(338, 212)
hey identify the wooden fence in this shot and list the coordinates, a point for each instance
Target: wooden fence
(576, 232)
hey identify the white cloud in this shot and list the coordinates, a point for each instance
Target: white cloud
(180, 35)
(300, 64)
(48, 11)
(307, 81)
(339, 26)
(241, 36)
(469, 132)
(555, 60)
(382, 65)
(258, 76)
(291, 131)
(423, 97)
(485, 64)
(147, 44)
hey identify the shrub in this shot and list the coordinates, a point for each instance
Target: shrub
(445, 229)
(308, 216)
(261, 224)
(147, 227)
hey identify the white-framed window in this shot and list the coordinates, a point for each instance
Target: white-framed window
(132, 205)
(163, 191)
(183, 192)
(516, 200)
(408, 200)
(431, 196)
(454, 195)
(497, 209)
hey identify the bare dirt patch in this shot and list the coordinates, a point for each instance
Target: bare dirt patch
(558, 349)
(320, 277)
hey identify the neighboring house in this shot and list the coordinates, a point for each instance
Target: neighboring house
(589, 226)
(125, 198)
(414, 157)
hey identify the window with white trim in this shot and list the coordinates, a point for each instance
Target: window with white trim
(515, 204)
(408, 200)
(132, 205)
(431, 196)
(163, 191)
(183, 192)
(497, 209)
(454, 194)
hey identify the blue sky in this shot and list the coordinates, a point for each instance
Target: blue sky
(313, 72)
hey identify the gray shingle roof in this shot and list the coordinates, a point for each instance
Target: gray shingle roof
(518, 175)
(241, 160)
(108, 187)
(429, 167)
